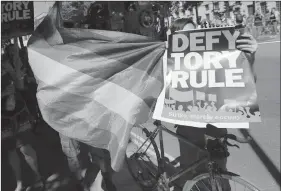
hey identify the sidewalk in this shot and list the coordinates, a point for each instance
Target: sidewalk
(268, 38)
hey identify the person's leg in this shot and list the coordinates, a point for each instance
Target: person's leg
(251, 29)
(102, 157)
(31, 159)
(91, 169)
(23, 143)
(275, 27)
(14, 161)
(254, 32)
(188, 153)
(107, 174)
(259, 28)
(71, 149)
(9, 147)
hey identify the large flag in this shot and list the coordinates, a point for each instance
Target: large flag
(95, 85)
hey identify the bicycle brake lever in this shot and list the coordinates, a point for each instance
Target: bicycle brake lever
(157, 123)
(231, 145)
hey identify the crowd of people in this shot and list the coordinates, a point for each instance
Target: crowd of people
(256, 24)
(18, 111)
(20, 114)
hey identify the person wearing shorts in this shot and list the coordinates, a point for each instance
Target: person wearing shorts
(273, 21)
(16, 132)
(258, 23)
(78, 155)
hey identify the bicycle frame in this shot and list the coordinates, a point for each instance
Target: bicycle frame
(159, 130)
(212, 153)
(191, 167)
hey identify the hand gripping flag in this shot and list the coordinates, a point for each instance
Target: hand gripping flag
(94, 85)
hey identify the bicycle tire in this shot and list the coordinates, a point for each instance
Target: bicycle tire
(146, 184)
(191, 184)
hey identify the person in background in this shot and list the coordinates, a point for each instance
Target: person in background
(16, 122)
(250, 24)
(273, 20)
(258, 22)
(205, 23)
(239, 20)
(75, 151)
(195, 135)
(199, 21)
(244, 16)
(277, 15)
(267, 20)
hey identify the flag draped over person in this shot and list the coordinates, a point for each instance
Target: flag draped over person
(94, 85)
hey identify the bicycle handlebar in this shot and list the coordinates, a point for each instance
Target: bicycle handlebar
(238, 139)
(227, 136)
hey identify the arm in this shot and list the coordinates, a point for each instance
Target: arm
(251, 59)
(249, 46)
(10, 90)
(18, 65)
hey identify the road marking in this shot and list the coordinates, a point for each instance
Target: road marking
(270, 42)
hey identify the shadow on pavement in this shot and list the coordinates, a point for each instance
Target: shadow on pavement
(272, 169)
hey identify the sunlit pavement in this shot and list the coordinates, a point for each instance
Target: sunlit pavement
(269, 38)
(258, 163)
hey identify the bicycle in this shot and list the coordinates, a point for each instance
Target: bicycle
(149, 172)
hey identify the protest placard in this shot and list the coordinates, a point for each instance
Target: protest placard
(17, 18)
(207, 79)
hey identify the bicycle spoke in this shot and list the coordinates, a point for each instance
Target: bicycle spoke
(150, 160)
(147, 147)
(205, 185)
(218, 185)
(210, 182)
(148, 166)
(197, 187)
(143, 163)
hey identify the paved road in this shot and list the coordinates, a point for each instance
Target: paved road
(259, 163)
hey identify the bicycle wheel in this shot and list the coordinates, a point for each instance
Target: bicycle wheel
(143, 160)
(223, 182)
